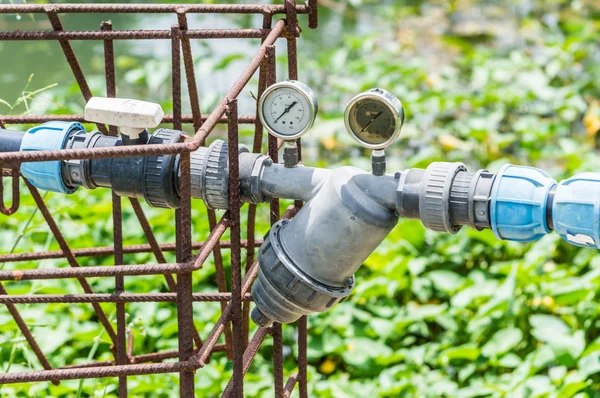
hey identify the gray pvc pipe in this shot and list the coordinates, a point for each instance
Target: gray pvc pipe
(303, 183)
(297, 183)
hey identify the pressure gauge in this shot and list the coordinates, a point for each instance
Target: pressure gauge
(374, 118)
(288, 109)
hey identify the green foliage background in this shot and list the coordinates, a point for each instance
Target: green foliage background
(433, 315)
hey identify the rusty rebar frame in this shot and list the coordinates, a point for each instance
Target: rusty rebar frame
(193, 352)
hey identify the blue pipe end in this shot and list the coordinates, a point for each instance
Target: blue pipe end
(576, 210)
(518, 204)
(47, 137)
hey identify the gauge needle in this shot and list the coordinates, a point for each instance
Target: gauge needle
(287, 109)
(371, 122)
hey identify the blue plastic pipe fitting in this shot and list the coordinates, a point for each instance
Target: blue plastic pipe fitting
(46, 137)
(576, 210)
(519, 202)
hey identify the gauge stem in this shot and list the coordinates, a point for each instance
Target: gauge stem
(378, 162)
(290, 154)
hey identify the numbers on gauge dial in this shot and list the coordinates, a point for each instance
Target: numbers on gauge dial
(286, 111)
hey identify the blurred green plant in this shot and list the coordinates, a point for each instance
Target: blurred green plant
(432, 315)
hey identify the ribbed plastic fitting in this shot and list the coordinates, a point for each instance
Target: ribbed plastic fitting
(519, 201)
(159, 183)
(49, 136)
(434, 201)
(283, 292)
(576, 210)
(210, 174)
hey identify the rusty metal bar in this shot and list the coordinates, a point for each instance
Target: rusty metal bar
(219, 327)
(236, 266)
(147, 150)
(63, 35)
(289, 385)
(98, 372)
(183, 215)
(27, 334)
(110, 298)
(150, 8)
(313, 14)
(108, 250)
(69, 256)
(235, 305)
(94, 272)
(156, 250)
(219, 270)
(35, 119)
(276, 329)
(303, 356)
(188, 61)
(256, 148)
(143, 358)
(16, 194)
(117, 214)
(249, 354)
(50, 12)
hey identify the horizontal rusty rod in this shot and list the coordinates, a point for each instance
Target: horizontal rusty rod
(111, 298)
(107, 251)
(97, 372)
(93, 272)
(133, 34)
(33, 119)
(143, 358)
(97, 153)
(148, 8)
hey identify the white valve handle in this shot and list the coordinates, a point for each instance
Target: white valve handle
(131, 116)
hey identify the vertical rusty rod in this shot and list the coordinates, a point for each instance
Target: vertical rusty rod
(303, 356)
(256, 148)
(276, 329)
(236, 268)
(313, 14)
(185, 311)
(190, 75)
(111, 91)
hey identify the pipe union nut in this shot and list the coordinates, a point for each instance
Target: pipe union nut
(282, 292)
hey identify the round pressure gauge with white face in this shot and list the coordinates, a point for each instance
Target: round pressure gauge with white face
(288, 109)
(374, 118)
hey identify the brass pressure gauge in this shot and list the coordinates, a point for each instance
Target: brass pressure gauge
(288, 109)
(374, 118)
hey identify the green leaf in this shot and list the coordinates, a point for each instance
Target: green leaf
(468, 352)
(446, 281)
(502, 341)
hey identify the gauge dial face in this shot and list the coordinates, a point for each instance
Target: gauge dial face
(374, 118)
(372, 121)
(288, 110)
